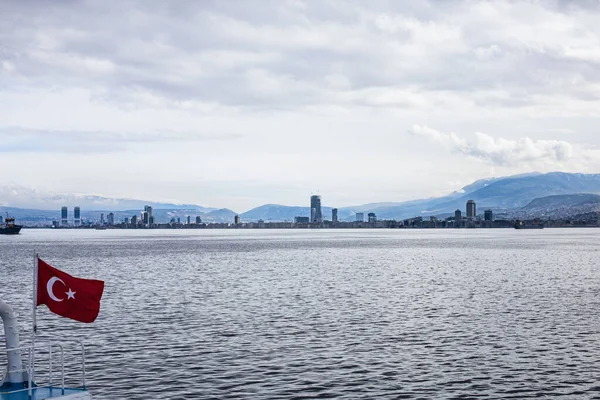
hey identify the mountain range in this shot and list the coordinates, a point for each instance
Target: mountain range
(528, 194)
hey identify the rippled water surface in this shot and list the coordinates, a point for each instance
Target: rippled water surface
(330, 314)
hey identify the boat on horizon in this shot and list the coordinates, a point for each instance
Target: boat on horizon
(533, 225)
(9, 227)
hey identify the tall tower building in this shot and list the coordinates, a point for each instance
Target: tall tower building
(145, 217)
(457, 215)
(471, 209)
(488, 215)
(111, 218)
(77, 216)
(360, 217)
(64, 214)
(149, 210)
(334, 215)
(315, 203)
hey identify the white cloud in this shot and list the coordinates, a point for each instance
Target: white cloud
(500, 151)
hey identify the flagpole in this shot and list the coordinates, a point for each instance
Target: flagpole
(34, 295)
(34, 305)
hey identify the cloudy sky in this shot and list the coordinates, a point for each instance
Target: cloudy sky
(240, 103)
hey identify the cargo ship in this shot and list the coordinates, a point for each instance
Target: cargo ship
(9, 227)
(536, 225)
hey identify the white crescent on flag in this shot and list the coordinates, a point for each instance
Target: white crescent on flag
(49, 288)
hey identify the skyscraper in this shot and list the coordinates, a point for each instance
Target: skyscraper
(64, 215)
(111, 218)
(189, 220)
(372, 217)
(471, 209)
(488, 215)
(149, 210)
(315, 202)
(334, 215)
(360, 217)
(102, 218)
(457, 215)
(145, 217)
(77, 215)
(198, 220)
(236, 220)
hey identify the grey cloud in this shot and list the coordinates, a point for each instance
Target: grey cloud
(279, 54)
(499, 151)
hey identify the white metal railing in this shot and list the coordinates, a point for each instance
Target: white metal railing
(29, 367)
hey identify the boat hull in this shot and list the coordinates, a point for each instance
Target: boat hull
(11, 230)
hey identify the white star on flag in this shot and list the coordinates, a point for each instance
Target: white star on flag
(70, 294)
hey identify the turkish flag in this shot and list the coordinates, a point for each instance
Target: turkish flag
(67, 296)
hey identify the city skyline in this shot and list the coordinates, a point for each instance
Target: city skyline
(228, 102)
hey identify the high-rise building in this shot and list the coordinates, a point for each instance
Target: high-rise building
(111, 218)
(126, 220)
(189, 220)
(334, 215)
(315, 203)
(360, 217)
(77, 215)
(151, 220)
(149, 210)
(64, 214)
(144, 217)
(372, 217)
(102, 218)
(198, 220)
(471, 209)
(236, 220)
(134, 220)
(488, 215)
(457, 215)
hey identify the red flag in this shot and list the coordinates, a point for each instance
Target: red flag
(67, 296)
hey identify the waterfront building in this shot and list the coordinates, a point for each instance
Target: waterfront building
(151, 220)
(111, 218)
(77, 216)
(372, 218)
(334, 215)
(149, 210)
(315, 203)
(458, 216)
(302, 220)
(134, 220)
(189, 220)
(126, 220)
(102, 218)
(471, 209)
(360, 217)
(313, 214)
(198, 220)
(64, 213)
(488, 215)
(236, 220)
(145, 217)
